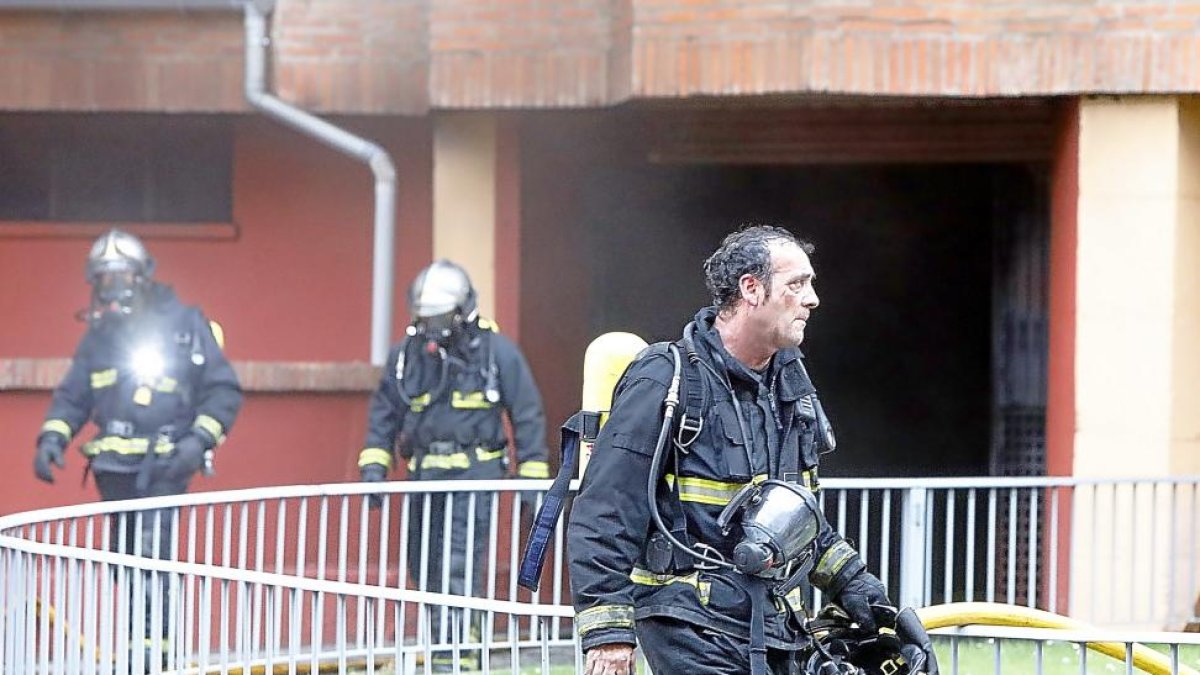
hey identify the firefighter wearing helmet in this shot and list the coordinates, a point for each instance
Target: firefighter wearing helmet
(440, 407)
(150, 373)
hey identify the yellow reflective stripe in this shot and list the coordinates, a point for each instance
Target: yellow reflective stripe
(832, 562)
(708, 491)
(374, 456)
(418, 403)
(218, 333)
(795, 600)
(124, 446)
(58, 426)
(489, 324)
(166, 385)
(648, 578)
(473, 400)
(209, 424)
(485, 455)
(104, 378)
(458, 460)
(533, 469)
(604, 616)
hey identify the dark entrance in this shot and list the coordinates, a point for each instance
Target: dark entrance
(929, 345)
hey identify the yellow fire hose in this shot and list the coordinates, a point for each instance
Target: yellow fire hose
(997, 614)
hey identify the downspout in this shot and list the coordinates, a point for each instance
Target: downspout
(382, 269)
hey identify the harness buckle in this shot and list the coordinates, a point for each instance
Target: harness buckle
(688, 431)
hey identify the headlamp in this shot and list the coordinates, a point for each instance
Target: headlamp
(148, 364)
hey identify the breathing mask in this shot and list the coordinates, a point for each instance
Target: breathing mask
(780, 523)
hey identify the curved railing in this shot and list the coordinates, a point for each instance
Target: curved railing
(313, 578)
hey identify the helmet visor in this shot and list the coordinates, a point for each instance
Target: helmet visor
(115, 286)
(437, 326)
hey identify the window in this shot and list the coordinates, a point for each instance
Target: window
(134, 168)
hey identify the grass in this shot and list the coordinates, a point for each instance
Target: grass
(979, 656)
(975, 656)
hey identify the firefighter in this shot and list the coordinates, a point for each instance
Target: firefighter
(649, 563)
(149, 372)
(441, 400)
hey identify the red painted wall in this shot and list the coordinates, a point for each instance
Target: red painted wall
(293, 285)
(1060, 394)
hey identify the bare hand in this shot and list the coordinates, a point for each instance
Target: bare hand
(613, 659)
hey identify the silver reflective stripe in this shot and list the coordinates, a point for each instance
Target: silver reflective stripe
(604, 616)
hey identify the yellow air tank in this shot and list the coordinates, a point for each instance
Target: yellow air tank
(603, 363)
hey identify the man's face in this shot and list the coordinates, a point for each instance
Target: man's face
(115, 287)
(783, 315)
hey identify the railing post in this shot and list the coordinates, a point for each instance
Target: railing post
(913, 528)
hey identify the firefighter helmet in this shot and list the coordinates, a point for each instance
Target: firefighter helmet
(441, 298)
(900, 646)
(118, 251)
(118, 266)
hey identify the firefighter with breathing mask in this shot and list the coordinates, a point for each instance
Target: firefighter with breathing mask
(150, 373)
(441, 403)
(669, 545)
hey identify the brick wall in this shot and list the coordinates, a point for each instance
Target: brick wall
(405, 56)
(120, 61)
(366, 56)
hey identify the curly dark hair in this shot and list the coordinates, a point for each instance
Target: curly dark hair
(746, 251)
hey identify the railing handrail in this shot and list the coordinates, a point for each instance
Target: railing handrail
(1072, 634)
(262, 494)
(286, 581)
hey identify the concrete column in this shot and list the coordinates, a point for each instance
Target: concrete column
(1137, 358)
(1185, 356)
(464, 198)
(1128, 199)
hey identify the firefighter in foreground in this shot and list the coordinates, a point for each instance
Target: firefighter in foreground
(440, 402)
(151, 375)
(668, 572)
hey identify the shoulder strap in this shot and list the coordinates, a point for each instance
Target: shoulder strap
(690, 420)
(582, 426)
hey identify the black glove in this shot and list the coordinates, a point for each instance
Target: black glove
(373, 473)
(918, 648)
(50, 448)
(857, 596)
(187, 458)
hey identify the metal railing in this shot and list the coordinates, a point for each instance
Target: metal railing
(306, 578)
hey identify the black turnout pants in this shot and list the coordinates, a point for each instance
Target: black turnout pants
(147, 533)
(674, 647)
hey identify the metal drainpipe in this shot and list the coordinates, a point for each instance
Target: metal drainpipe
(382, 272)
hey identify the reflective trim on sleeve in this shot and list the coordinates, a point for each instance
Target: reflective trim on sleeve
(832, 562)
(469, 400)
(604, 616)
(104, 378)
(374, 456)
(58, 426)
(533, 469)
(708, 491)
(124, 446)
(488, 324)
(210, 425)
(485, 455)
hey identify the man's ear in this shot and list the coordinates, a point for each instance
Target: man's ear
(752, 290)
